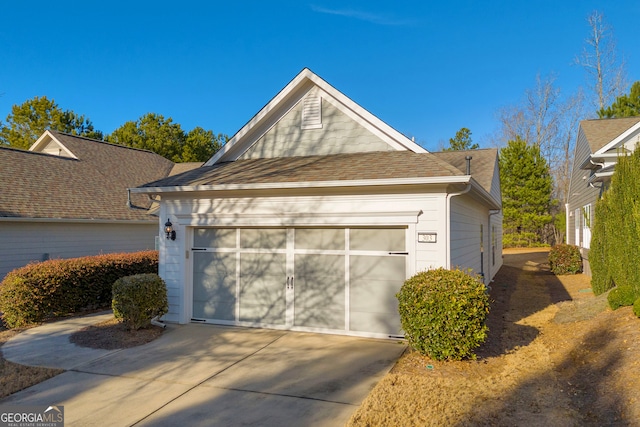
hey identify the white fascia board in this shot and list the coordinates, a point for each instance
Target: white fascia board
(44, 139)
(484, 194)
(365, 118)
(442, 180)
(618, 141)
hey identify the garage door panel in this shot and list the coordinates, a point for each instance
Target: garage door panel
(214, 286)
(262, 288)
(319, 238)
(319, 291)
(263, 238)
(377, 239)
(214, 238)
(374, 282)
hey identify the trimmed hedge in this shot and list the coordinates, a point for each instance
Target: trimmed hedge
(61, 287)
(138, 299)
(616, 230)
(565, 259)
(443, 313)
(622, 296)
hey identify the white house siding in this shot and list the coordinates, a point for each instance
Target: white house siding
(470, 220)
(331, 210)
(26, 241)
(339, 134)
(580, 194)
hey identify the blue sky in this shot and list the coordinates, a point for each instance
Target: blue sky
(426, 68)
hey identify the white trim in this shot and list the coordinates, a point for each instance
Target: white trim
(303, 219)
(462, 179)
(40, 143)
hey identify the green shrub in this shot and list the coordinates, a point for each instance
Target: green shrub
(565, 259)
(636, 307)
(443, 313)
(621, 296)
(138, 299)
(61, 287)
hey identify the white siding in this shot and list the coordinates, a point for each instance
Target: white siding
(25, 242)
(470, 220)
(329, 210)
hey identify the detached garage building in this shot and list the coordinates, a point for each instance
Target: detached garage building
(312, 216)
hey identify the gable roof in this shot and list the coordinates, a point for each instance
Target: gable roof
(292, 94)
(89, 185)
(600, 132)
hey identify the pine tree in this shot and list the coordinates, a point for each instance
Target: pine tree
(625, 105)
(526, 194)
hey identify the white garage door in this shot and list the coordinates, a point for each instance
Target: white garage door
(318, 279)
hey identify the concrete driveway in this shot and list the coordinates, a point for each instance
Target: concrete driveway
(204, 375)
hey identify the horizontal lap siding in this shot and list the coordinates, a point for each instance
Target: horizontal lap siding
(25, 242)
(466, 218)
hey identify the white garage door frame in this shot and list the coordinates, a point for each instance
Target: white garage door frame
(405, 220)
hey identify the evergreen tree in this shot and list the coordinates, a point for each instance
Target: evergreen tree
(462, 141)
(201, 145)
(625, 105)
(26, 123)
(526, 194)
(154, 133)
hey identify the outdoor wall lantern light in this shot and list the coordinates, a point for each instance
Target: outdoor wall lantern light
(169, 231)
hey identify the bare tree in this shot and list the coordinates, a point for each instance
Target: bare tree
(606, 73)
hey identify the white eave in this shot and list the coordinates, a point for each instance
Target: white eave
(45, 139)
(617, 141)
(464, 179)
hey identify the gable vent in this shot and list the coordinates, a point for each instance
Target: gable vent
(312, 112)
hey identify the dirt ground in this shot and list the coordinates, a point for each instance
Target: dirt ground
(555, 356)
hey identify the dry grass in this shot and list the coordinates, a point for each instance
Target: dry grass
(555, 356)
(14, 377)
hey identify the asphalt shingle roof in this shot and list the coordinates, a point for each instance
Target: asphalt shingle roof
(93, 186)
(335, 167)
(483, 163)
(600, 132)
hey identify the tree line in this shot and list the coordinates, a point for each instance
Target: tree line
(153, 132)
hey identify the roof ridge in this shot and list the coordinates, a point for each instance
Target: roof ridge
(104, 142)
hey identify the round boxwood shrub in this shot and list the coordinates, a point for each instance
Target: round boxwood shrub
(565, 259)
(138, 299)
(621, 296)
(443, 313)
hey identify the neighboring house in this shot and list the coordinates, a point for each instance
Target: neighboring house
(66, 197)
(314, 214)
(599, 144)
